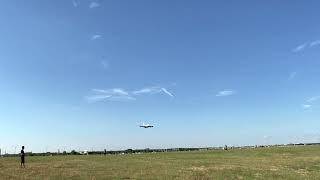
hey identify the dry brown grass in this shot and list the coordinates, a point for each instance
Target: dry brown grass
(269, 163)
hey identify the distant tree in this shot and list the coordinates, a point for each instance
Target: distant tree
(74, 152)
(129, 151)
(64, 152)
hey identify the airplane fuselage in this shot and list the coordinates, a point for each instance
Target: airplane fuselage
(146, 126)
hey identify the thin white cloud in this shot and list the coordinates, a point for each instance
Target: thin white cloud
(153, 90)
(306, 45)
(118, 94)
(105, 64)
(122, 98)
(267, 136)
(96, 36)
(96, 98)
(142, 91)
(148, 90)
(120, 91)
(315, 43)
(115, 94)
(300, 47)
(292, 75)
(99, 91)
(225, 93)
(94, 5)
(309, 102)
(314, 98)
(75, 3)
(167, 92)
(114, 91)
(306, 106)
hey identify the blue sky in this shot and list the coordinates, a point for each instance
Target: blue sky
(83, 74)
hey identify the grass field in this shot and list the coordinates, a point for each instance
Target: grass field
(268, 163)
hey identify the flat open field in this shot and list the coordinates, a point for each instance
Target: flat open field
(269, 163)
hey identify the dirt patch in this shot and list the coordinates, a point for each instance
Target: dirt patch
(274, 168)
(302, 172)
(202, 168)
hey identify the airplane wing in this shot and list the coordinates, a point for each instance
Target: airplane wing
(146, 126)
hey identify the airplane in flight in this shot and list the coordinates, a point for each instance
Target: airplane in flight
(146, 125)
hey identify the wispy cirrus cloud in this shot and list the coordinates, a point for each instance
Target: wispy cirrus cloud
(315, 43)
(115, 94)
(306, 106)
(114, 91)
(225, 93)
(144, 91)
(306, 45)
(96, 98)
(122, 98)
(75, 3)
(314, 98)
(292, 75)
(148, 90)
(119, 94)
(94, 5)
(96, 36)
(310, 101)
(300, 47)
(167, 92)
(153, 90)
(267, 137)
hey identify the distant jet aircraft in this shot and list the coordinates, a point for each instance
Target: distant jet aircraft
(146, 125)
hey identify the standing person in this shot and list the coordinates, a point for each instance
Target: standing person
(22, 157)
(105, 152)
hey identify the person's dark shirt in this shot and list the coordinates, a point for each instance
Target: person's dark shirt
(22, 153)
